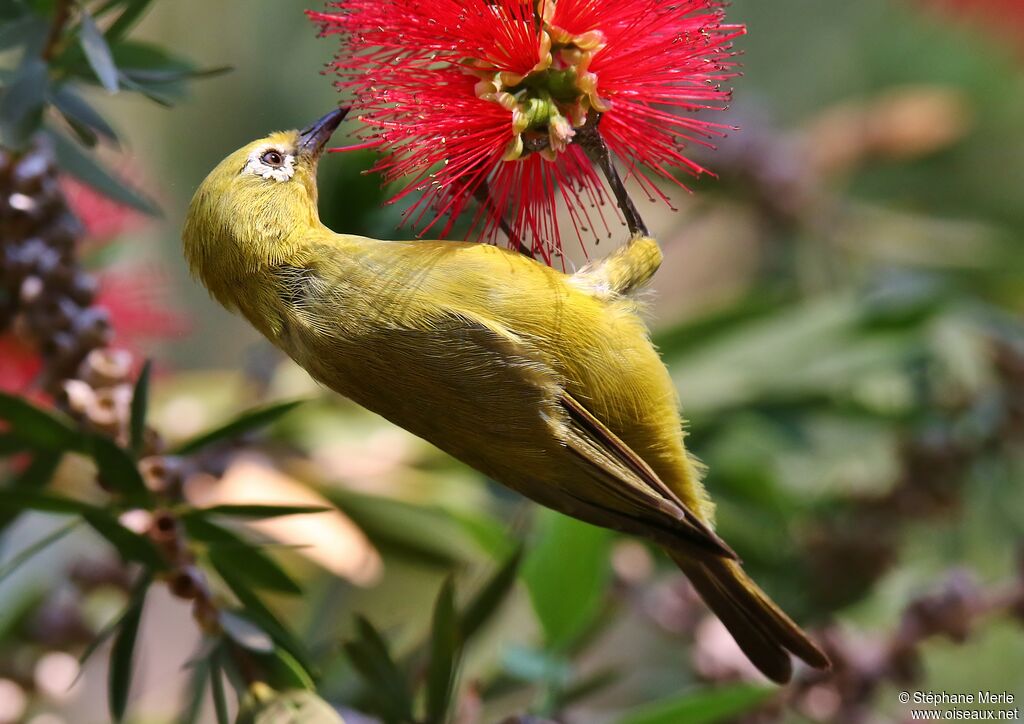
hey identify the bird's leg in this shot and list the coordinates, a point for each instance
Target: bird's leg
(589, 138)
(483, 194)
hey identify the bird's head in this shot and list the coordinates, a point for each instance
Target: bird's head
(249, 209)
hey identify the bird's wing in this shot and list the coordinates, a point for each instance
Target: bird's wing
(627, 478)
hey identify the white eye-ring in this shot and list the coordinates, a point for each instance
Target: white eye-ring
(270, 163)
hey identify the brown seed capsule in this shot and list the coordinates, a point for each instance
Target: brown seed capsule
(105, 367)
(76, 396)
(162, 474)
(186, 583)
(166, 533)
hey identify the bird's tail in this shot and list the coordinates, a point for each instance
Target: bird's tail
(624, 270)
(765, 633)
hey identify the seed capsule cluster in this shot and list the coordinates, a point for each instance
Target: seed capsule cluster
(47, 299)
(45, 295)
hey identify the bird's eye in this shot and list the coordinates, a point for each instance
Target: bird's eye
(273, 158)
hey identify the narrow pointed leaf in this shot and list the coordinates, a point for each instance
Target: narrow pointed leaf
(245, 633)
(566, 574)
(29, 30)
(35, 427)
(97, 52)
(388, 688)
(25, 554)
(118, 470)
(140, 401)
(257, 568)
(244, 423)
(19, 500)
(22, 102)
(122, 655)
(488, 599)
(220, 701)
(74, 108)
(83, 167)
(254, 608)
(134, 10)
(285, 672)
(231, 551)
(445, 645)
(196, 692)
(261, 511)
(129, 544)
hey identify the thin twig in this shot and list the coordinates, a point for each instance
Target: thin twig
(61, 15)
(483, 194)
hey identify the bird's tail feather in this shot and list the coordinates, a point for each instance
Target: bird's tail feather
(765, 633)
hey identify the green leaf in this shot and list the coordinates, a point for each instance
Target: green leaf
(118, 470)
(10, 445)
(566, 574)
(260, 511)
(231, 551)
(39, 472)
(701, 707)
(445, 646)
(388, 689)
(88, 171)
(284, 671)
(196, 692)
(488, 599)
(140, 401)
(134, 9)
(220, 701)
(21, 500)
(246, 422)
(129, 544)
(262, 616)
(97, 52)
(26, 553)
(22, 103)
(75, 109)
(257, 568)
(245, 633)
(29, 30)
(123, 652)
(37, 428)
(423, 532)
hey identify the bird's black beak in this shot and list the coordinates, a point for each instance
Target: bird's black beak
(312, 139)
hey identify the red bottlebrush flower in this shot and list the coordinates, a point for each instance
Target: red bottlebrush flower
(135, 298)
(19, 364)
(484, 98)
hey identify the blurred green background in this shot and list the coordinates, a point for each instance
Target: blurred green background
(841, 310)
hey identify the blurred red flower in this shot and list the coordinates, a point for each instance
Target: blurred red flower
(102, 217)
(482, 98)
(19, 364)
(1003, 18)
(133, 295)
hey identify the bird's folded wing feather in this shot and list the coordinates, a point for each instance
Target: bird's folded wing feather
(626, 477)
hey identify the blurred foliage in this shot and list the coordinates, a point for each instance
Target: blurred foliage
(841, 310)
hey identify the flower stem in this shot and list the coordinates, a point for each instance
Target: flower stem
(589, 138)
(483, 195)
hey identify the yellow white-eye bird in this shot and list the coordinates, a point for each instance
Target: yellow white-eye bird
(544, 381)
